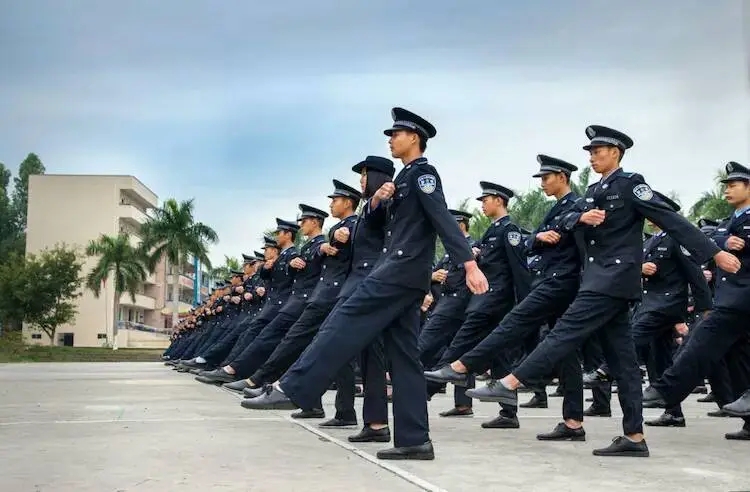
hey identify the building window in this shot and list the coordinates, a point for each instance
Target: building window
(101, 336)
(36, 336)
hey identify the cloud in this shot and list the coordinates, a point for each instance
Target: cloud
(254, 108)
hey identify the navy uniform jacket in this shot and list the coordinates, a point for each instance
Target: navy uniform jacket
(561, 260)
(666, 291)
(733, 290)
(279, 277)
(305, 279)
(416, 215)
(614, 249)
(454, 295)
(502, 258)
(253, 282)
(367, 246)
(335, 268)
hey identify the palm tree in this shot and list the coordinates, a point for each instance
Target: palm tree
(172, 233)
(580, 185)
(223, 271)
(121, 261)
(711, 204)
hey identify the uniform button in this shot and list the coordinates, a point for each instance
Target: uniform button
(645, 292)
(335, 284)
(666, 294)
(292, 292)
(364, 264)
(618, 261)
(593, 242)
(388, 233)
(399, 252)
(554, 275)
(321, 278)
(324, 267)
(279, 302)
(304, 295)
(723, 279)
(385, 249)
(591, 258)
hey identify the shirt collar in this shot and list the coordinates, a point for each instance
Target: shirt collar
(741, 211)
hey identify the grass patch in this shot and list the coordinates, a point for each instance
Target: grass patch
(12, 349)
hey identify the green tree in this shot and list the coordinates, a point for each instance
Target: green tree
(40, 289)
(118, 261)
(173, 233)
(223, 271)
(30, 166)
(711, 204)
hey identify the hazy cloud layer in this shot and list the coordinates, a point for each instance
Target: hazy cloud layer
(253, 108)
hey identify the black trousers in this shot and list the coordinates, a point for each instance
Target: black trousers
(251, 329)
(592, 313)
(221, 349)
(592, 358)
(256, 354)
(714, 338)
(373, 367)
(375, 308)
(294, 342)
(436, 335)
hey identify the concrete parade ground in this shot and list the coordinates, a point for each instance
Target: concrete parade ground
(143, 427)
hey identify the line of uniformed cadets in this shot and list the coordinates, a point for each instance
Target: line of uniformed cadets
(526, 306)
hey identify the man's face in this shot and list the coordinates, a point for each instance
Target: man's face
(603, 159)
(737, 192)
(552, 183)
(339, 207)
(307, 226)
(270, 253)
(491, 205)
(400, 142)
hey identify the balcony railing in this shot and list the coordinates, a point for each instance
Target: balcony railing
(141, 301)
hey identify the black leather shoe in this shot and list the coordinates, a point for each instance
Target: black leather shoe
(622, 446)
(709, 398)
(666, 420)
(338, 423)
(718, 413)
(595, 378)
(457, 412)
(739, 407)
(446, 374)
(218, 376)
(741, 435)
(700, 390)
(254, 392)
(421, 452)
(535, 402)
(494, 392)
(592, 411)
(368, 434)
(271, 400)
(558, 393)
(502, 422)
(192, 364)
(652, 398)
(589, 399)
(562, 432)
(237, 386)
(315, 413)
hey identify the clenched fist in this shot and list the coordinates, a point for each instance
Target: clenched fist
(297, 263)
(341, 235)
(592, 217)
(440, 275)
(649, 268)
(549, 237)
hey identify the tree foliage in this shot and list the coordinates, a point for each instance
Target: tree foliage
(40, 289)
(117, 261)
(223, 271)
(13, 206)
(711, 204)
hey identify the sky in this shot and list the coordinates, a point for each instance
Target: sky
(251, 108)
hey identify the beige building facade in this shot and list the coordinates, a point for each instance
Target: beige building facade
(75, 209)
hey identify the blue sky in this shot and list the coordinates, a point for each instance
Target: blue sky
(253, 107)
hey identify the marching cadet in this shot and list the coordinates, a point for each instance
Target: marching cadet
(669, 275)
(307, 266)
(726, 325)
(388, 300)
(280, 276)
(555, 264)
(611, 219)
(336, 254)
(500, 255)
(447, 318)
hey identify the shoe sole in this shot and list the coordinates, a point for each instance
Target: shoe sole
(533, 406)
(493, 399)
(271, 407)
(568, 438)
(418, 457)
(652, 424)
(461, 382)
(625, 454)
(347, 426)
(373, 439)
(736, 414)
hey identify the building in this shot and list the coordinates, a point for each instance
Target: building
(75, 209)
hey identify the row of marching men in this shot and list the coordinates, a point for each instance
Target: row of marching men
(293, 321)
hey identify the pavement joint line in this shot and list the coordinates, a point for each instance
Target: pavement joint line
(399, 472)
(142, 421)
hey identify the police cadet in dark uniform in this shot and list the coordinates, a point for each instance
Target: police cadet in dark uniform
(335, 254)
(280, 275)
(611, 221)
(500, 254)
(307, 266)
(388, 300)
(555, 264)
(447, 318)
(669, 275)
(726, 325)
